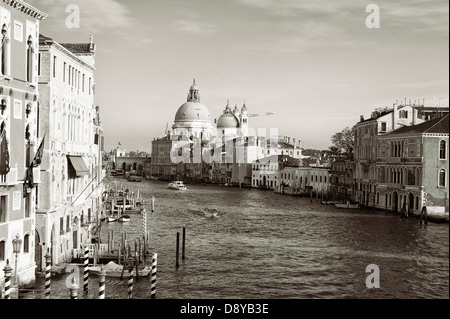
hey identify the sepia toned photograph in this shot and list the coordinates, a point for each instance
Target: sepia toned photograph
(224, 158)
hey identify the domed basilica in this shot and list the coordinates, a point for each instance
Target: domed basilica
(194, 120)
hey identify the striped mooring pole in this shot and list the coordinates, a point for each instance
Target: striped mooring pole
(101, 284)
(86, 269)
(8, 271)
(144, 221)
(130, 278)
(48, 273)
(73, 289)
(153, 277)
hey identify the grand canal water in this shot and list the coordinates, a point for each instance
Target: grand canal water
(271, 246)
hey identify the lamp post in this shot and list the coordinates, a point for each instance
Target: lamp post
(16, 249)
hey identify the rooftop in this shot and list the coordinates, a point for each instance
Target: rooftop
(438, 125)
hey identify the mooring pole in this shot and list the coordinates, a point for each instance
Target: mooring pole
(8, 271)
(48, 273)
(177, 251)
(183, 245)
(153, 277)
(101, 284)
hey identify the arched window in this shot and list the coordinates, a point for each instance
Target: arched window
(30, 60)
(26, 243)
(442, 149)
(4, 51)
(442, 177)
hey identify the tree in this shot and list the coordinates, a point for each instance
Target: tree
(343, 142)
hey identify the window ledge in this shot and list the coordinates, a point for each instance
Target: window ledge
(6, 77)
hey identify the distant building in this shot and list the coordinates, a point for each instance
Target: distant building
(265, 171)
(412, 167)
(341, 179)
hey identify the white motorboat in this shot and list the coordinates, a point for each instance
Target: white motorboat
(124, 218)
(347, 205)
(178, 185)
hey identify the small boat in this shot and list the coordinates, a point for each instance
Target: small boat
(111, 219)
(124, 218)
(114, 270)
(211, 212)
(330, 202)
(348, 206)
(134, 178)
(178, 185)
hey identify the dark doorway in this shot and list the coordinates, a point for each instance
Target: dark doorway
(410, 203)
(395, 203)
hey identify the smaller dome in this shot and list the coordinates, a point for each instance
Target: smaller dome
(227, 120)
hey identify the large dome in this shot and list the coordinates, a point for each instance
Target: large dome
(192, 111)
(227, 120)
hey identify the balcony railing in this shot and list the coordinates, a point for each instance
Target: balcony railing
(10, 178)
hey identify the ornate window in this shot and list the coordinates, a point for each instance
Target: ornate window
(442, 174)
(442, 149)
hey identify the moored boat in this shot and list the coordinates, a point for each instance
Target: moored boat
(114, 270)
(124, 218)
(347, 205)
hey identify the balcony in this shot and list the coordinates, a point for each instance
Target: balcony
(36, 175)
(10, 179)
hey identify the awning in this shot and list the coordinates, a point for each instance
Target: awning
(78, 165)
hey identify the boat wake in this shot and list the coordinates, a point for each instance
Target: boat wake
(207, 212)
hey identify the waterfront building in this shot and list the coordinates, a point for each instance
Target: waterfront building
(132, 164)
(366, 132)
(161, 160)
(19, 137)
(319, 180)
(222, 152)
(412, 168)
(69, 196)
(265, 171)
(341, 179)
(115, 154)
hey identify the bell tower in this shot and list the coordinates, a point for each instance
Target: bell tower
(243, 120)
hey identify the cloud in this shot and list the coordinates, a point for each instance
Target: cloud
(94, 15)
(193, 27)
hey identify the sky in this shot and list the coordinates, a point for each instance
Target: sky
(313, 63)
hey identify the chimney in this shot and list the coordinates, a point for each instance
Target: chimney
(413, 116)
(361, 118)
(394, 117)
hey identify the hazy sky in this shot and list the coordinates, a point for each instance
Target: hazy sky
(314, 64)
